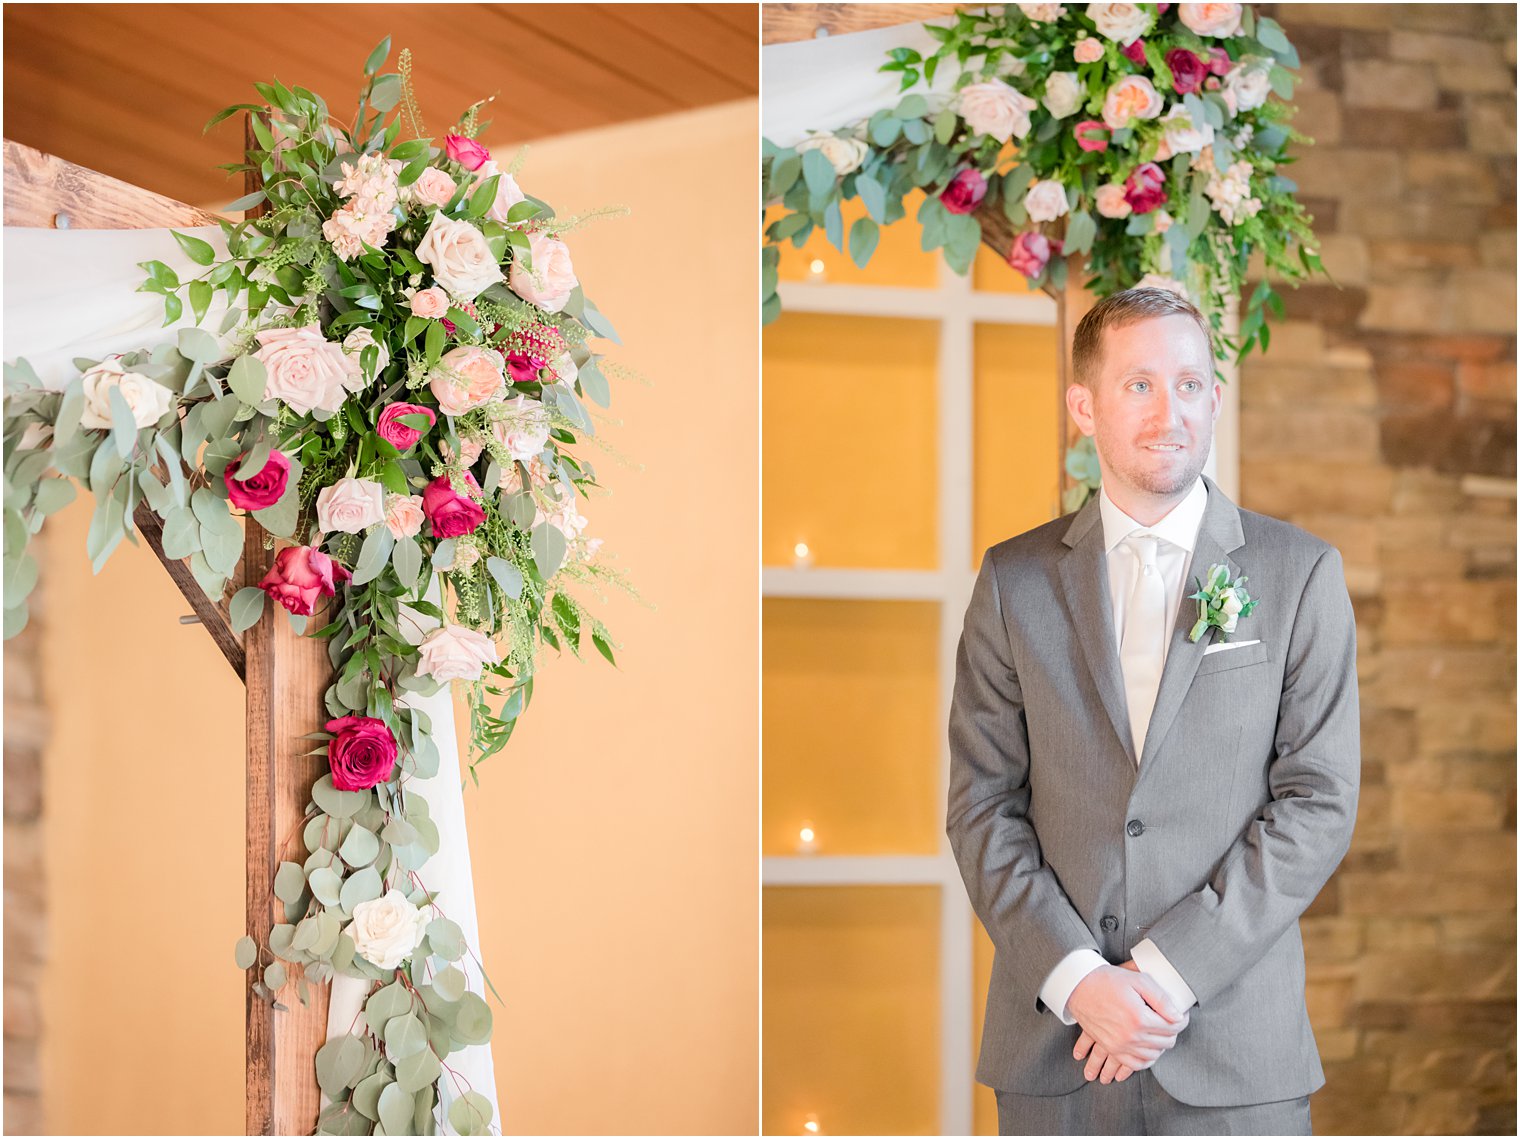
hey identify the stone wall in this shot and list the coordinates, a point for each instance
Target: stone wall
(1383, 420)
(25, 912)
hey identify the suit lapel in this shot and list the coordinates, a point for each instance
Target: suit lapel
(1219, 534)
(1085, 580)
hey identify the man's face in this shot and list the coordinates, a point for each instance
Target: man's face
(1152, 409)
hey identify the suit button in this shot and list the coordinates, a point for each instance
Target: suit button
(1109, 923)
(1136, 828)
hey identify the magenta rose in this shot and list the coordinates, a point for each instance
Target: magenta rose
(451, 514)
(300, 577)
(1219, 61)
(965, 192)
(1145, 189)
(530, 349)
(1031, 252)
(398, 434)
(1134, 52)
(1187, 71)
(260, 491)
(1092, 134)
(464, 306)
(466, 151)
(362, 755)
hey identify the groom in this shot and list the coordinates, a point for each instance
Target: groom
(1140, 817)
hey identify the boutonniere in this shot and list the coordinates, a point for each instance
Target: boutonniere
(1221, 602)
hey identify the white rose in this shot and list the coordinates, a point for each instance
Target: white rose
(354, 345)
(146, 399)
(386, 930)
(508, 193)
(1063, 94)
(350, 506)
(844, 154)
(465, 556)
(306, 371)
(551, 280)
(1218, 20)
(1046, 200)
(1230, 607)
(996, 109)
(524, 429)
(1122, 23)
(1181, 134)
(454, 652)
(1043, 13)
(1111, 201)
(459, 257)
(1247, 85)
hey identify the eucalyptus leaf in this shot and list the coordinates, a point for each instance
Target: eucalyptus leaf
(248, 380)
(366, 1097)
(417, 1071)
(360, 848)
(289, 881)
(362, 886)
(449, 983)
(548, 544)
(395, 1107)
(198, 345)
(374, 555)
(404, 1035)
(470, 1114)
(246, 952)
(325, 884)
(246, 607)
(338, 804)
(446, 938)
(507, 575)
(472, 1023)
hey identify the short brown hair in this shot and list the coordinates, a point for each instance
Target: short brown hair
(1118, 310)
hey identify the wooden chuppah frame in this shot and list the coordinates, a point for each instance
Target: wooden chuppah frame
(285, 675)
(790, 23)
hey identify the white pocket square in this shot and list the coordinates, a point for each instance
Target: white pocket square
(1222, 645)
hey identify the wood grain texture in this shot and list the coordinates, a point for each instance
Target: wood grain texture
(287, 675)
(40, 187)
(788, 23)
(103, 85)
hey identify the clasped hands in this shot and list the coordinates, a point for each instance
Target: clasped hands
(1127, 1021)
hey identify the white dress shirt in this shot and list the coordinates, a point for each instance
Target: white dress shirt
(1178, 532)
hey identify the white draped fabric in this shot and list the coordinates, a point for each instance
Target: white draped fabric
(71, 293)
(834, 81)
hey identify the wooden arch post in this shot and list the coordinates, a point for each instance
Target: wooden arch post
(285, 676)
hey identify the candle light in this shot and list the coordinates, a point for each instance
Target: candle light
(816, 267)
(802, 556)
(810, 1125)
(807, 840)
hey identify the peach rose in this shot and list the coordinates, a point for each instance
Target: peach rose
(508, 193)
(1217, 20)
(551, 280)
(434, 188)
(430, 303)
(1131, 98)
(1111, 201)
(403, 515)
(467, 377)
(1087, 51)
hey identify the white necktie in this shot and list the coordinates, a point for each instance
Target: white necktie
(1143, 646)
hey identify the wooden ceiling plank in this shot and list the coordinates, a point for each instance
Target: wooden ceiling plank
(789, 23)
(690, 72)
(743, 18)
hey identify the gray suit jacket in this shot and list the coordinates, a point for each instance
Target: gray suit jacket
(1242, 806)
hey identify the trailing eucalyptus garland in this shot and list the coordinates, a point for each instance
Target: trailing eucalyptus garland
(398, 396)
(1141, 137)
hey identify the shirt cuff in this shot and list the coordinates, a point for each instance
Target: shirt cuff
(1065, 977)
(1149, 957)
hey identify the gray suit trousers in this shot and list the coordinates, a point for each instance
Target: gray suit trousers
(1141, 1106)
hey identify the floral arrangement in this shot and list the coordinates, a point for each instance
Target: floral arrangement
(1141, 137)
(1221, 602)
(399, 396)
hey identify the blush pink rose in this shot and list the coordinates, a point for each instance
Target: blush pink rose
(1219, 61)
(454, 652)
(434, 188)
(1145, 189)
(1031, 253)
(362, 755)
(403, 515)
(258, 491)
(1110, 200)
(1091, 134)
(467, 377)
(1217, 20)
(450, 512)
(350, 505)
(508, 192)
(398, 434)
(1088, 51)
(1133, 97)
(965, 192)
(466, 151)
(300, 577)
(430, 303)
(551, 280)
(306, 370)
